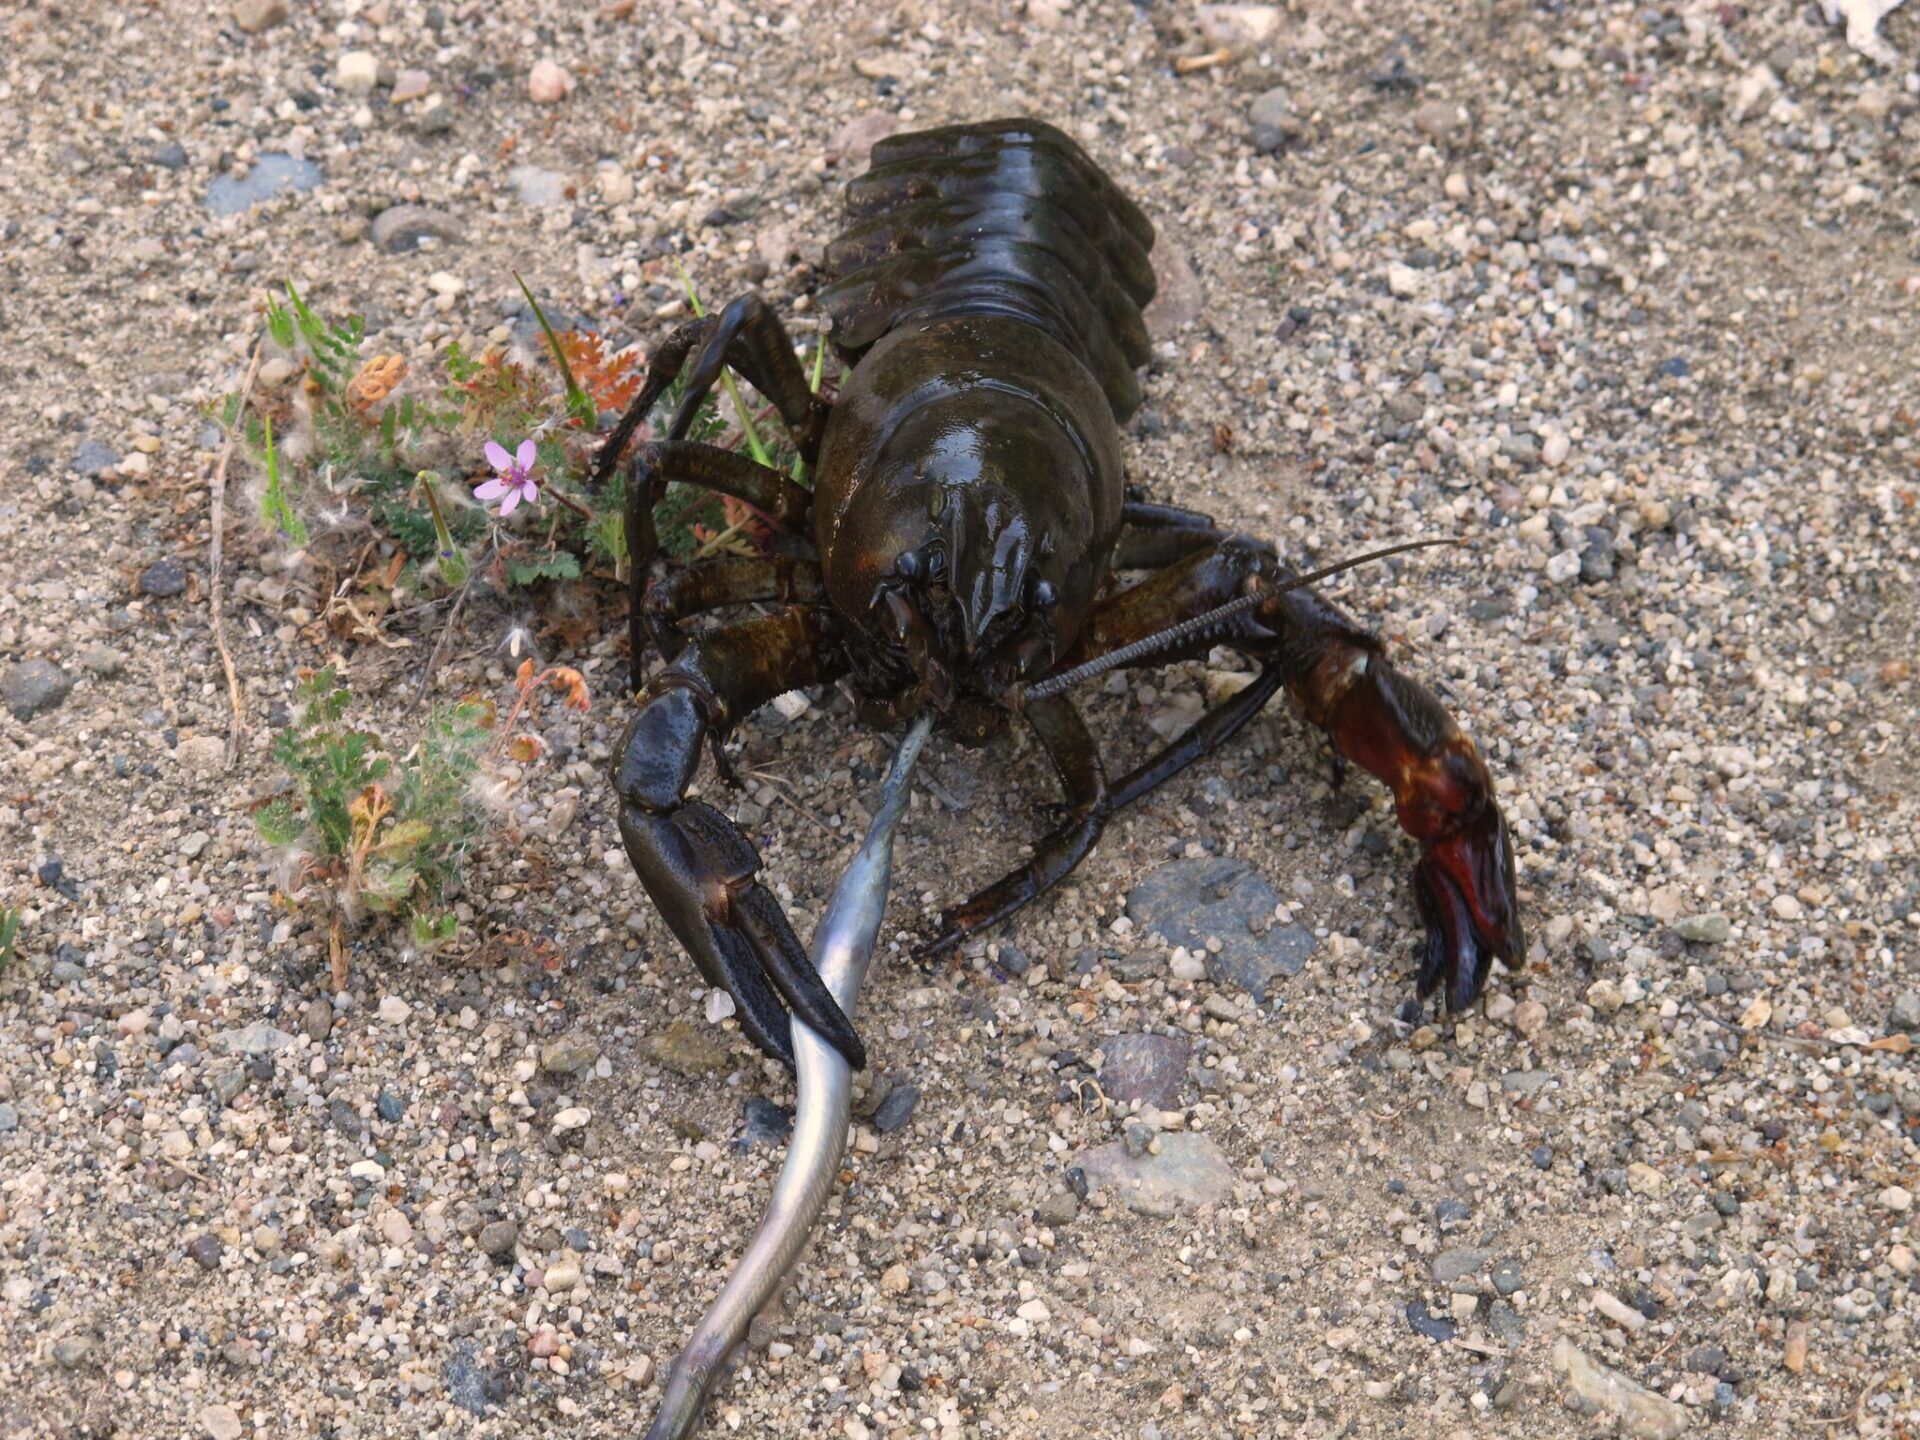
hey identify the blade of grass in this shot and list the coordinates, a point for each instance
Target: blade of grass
(758, 450)
(579, 403)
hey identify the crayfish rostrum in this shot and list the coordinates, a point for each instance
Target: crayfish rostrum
(959, 549)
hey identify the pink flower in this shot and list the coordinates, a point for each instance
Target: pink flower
(511, 481)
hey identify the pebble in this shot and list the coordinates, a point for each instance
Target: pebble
(1272, 120)
(33, 687)
(251, 17)
(766, 1123)
(896, 1109)
(270, 175)
(1896, 1198)
(1189, 902)
(205, 1250)
(1188, 1170)
(393, 1010)
(853, 143)
(1442, 121)
(1425, 1322)
(1179, 301)
(316, 1018)
(356, 71)
(1452, 1266)
(1598, 1389)
(409, 85)
(1905, 1014)
(171, 155)
(9, 1118)
(498, 1237)
(221, 1422)
(402, 228)
(1710, 928)
(539, 188)
(569, 1055)
(102, 660)
(254, 1038)
(684, 1050)
(1145, 1068)
(548, 83)
(93, 458)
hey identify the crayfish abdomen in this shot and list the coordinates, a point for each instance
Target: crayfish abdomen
(959, 552)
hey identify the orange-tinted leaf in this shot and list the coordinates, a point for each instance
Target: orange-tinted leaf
(612, 381)
(376, 381)
(524, 748)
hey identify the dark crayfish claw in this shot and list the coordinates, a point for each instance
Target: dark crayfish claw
(1464, 888)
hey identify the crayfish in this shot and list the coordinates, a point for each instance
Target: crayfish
(958, 553)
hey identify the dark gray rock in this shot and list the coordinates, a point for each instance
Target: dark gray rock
(767, 1124)
(272, 174)
(390, 1106)
(465, 1379)
(34, 687)
(1148, 1068)
(204, 1250)
(170, 156)
(1507, 1277)
(1905, 1014)
(401, 228)
(498, 1237)
(1424, 1322)
(894, 1111)
(164, 579)
(94, 458)
(1189, 900)
(346, 1119)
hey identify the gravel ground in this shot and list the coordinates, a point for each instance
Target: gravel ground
(1627, 296)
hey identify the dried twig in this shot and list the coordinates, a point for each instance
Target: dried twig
(235, 699)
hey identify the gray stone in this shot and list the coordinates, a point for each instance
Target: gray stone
(569, 1055)
(1525, 1082)
(94, 458)
(766, 1124)
(401, 228)
(1450, 1267)
(70, 1352)
(1905, 1014)
(1148, 1068)
(225, 1084)
(1593, 1388)
(101, 660)
(205, 1250)
(498, 1237)
(894, 1111)
(1272, 119)
(317, 1018)
(259, 1038)
(1425, 1322)
(389, 1106)
(1189, 901)
(1710, 929)
(253, 16)
(539, 188)
(9, 1118)
(163, 579)
(170, 156)
(1507, 1277)
(1189, 1170)
(1059, 1209)
(272, 174)
(34, 687)
(465, 1380)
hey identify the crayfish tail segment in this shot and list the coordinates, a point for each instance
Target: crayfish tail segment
(1394, 728)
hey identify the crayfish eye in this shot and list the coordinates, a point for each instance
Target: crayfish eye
(1045, 597)
(910, 566)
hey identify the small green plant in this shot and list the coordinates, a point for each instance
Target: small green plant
(375, 834)
(9, 935)
(410, 453)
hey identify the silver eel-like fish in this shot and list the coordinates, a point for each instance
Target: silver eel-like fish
(823, 1105)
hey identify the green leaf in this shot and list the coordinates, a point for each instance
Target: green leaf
(275, 508)
(432, 930)
(561, 565)
(579, 403)
(278, 822)
(9, 934)
(280, 325)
